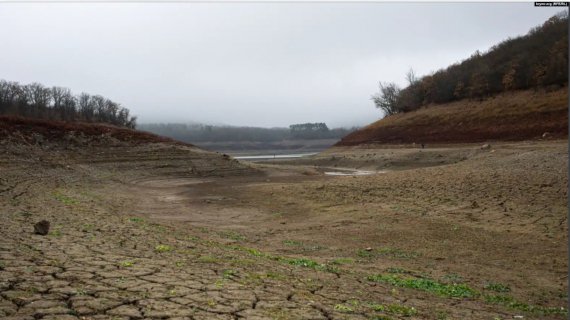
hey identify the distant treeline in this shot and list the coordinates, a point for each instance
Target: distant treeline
(536, 60)
(193, 133)
(56, 103)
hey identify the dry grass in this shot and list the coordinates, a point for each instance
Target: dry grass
(56, 130)
(512, 116)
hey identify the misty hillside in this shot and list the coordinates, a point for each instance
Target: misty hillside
(516, 91)
(537, 60)
(303, 137)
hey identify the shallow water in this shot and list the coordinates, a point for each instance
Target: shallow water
(275, 156)
(351, 172)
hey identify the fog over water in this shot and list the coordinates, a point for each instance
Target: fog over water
(255, 64)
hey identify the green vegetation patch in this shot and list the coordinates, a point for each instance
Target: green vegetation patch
(126, 264)
(511, 303)
(233, 235)
(163, 248)
(429, 285)
(229, 273)
(398, 270)
(453, 278)
(395, 309)
(303, 246)
(497, 287)
(293, 243)
(64, 199)
(300, 262)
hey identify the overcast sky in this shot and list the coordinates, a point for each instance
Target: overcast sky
(256, 64)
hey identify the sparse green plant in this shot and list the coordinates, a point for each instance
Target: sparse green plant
(163, 248)
(157, 227)
(497, 287)
(194, 238)
(453, 278)
(274, 275)
(251, 251)
(442, 315)
(80, 292)
(127, 264)
(136, 219)
(302, 262)
(429, 285)
(395, 309)
(293, 243)
(55, 233)
(398, 270)
(387, 251)
(64, 199)
(219, 283)
(233, 235)
(364, 253)
(229, 273)
(510, 302)
(397, 253)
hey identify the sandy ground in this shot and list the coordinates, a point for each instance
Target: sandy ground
(165, 232)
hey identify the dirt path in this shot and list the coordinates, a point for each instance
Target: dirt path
(482, 236)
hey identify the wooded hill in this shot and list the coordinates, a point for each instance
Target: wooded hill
(518, 90)
(536, 60)
(57, 103)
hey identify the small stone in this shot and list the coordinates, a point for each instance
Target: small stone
(546, 135)
(368, 249)
(42, 227)
(486, 146)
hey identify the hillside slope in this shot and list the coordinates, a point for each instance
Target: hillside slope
(512, 116)
(105, 148)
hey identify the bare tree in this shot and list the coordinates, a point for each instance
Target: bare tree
(411, 77)
(35, 100)
(387, 98)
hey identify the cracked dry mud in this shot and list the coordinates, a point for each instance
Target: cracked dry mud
(169, 232)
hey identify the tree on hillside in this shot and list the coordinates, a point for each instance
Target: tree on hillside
(509, 78)
(387, 99)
